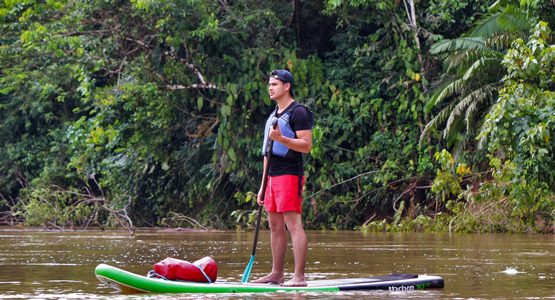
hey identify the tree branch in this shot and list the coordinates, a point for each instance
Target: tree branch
(192, 86)
(345, 181)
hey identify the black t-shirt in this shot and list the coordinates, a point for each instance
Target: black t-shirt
(299, 119)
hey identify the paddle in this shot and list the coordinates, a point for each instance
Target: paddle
(247, 272)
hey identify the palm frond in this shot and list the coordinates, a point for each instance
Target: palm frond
(452, 88)
(439, 118)
(510, 18)
(479, 65)
(490, 92)
(472, 99)
(484, 134)
(463, 60)
(488, 27)
(456, 59)
(473, 63)
(458, 44)
(514, 19)
(502, 41)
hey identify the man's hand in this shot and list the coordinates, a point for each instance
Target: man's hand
(259, 198)
(275, 134)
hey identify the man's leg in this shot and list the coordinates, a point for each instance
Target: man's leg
(278, 240)
(294, 223)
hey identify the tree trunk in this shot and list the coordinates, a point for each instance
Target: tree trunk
(411, 15)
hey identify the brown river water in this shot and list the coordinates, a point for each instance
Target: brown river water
(60, 265)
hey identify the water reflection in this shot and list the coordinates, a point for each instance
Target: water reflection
(53, 265)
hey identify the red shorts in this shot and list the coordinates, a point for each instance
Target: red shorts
(282, 194)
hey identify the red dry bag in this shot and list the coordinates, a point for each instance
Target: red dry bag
(202, 270)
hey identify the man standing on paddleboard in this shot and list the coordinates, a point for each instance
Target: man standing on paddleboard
(292, 136)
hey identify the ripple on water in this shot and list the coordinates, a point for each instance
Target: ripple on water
(9, 282)
(512, 271)
(52, 264)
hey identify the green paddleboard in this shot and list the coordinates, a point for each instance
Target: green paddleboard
(133, 283)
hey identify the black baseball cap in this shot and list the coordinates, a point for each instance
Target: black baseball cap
(284, 76)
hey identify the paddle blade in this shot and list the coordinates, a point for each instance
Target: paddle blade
(247, 272)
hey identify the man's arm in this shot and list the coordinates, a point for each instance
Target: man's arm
(303, 142)
(264, 175)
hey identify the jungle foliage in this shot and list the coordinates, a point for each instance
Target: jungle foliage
(150, 113)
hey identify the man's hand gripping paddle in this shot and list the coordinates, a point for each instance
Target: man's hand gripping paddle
(247, 272)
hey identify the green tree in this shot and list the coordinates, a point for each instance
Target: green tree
(473, 71)
(518, 130)
(151, 112)
(380, 70)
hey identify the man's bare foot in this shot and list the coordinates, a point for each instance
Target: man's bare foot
(294, 282)
(271, 278)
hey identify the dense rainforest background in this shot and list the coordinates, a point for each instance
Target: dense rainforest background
(431, 115)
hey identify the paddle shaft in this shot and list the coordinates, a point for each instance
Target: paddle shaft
(264, 184)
